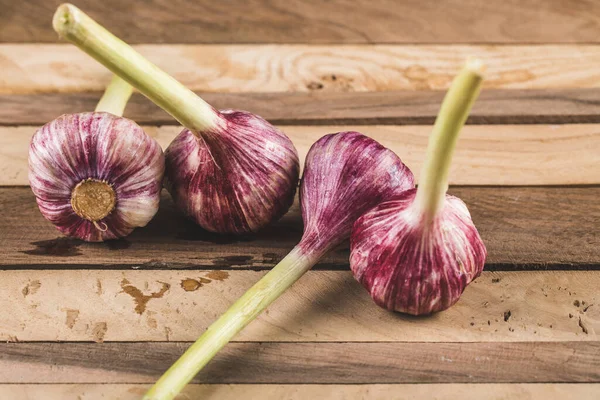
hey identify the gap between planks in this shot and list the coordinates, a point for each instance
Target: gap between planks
(300, 363)
(323, 306)
(464, 391)
(39, 68)
(314, 21)
(494, 106)
(486, 155)
(522, 227)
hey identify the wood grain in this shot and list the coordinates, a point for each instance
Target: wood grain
(441, 391)
(486, 154)
(313, 21)
(523, 227)
(324, 306)
(494, 106)
(299, 363)
(36, 68)
(317, 67)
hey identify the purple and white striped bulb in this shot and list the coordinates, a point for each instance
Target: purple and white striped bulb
(416, 253)
(235, 178)
(96, 175)
(415, 266)
(346, 175)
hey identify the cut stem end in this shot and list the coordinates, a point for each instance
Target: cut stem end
(475, 66)
(184, 105)
(63, 15)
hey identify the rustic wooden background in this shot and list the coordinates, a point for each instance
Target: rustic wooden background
(95, 321)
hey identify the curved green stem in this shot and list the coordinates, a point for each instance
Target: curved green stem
(184, 105)
(453, 114)
(115, 97)
(240, 314)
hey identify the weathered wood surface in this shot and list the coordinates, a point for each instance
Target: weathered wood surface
(516, 333)
(313, 21)
(494, 106)
(440, 391)
(36, 68)
(486, 154)
(523, 227)
(323, 306)
(335, 363)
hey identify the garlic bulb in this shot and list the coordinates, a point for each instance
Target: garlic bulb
(96, 175)
(230, 171)
(345, 175)
(412, 266)
(417, 252)
(234, 179)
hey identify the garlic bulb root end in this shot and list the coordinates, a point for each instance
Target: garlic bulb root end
(93, 199)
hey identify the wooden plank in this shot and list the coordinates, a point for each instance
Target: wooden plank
(36, 68)
(523, 227)
(440, 391)
(313, 21)
(486, 155)
(324, 306)
(334, 363)
(494, 106)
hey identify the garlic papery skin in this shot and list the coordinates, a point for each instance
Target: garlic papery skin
(236, 179)
(96, 176)
(230, 171)
(345, 175)
(417, 252)
(411, 266)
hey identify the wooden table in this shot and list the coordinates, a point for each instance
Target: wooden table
(95, 321)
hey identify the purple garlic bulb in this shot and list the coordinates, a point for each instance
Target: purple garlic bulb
(96, 176)
(345, 175)
(236, 178)
(230, 171)
(416, 253)
(411, 265)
